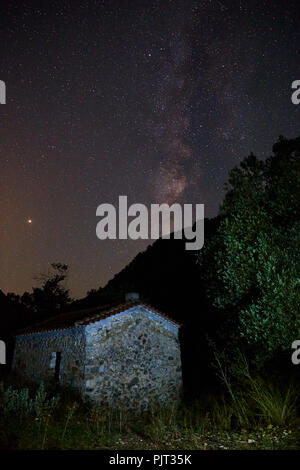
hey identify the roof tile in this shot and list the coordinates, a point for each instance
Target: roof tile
(85, 317)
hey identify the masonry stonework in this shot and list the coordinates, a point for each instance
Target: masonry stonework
(33, 353)
(133, 360)
(128, 360)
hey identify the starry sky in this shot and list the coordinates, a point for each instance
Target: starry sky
(155, 99)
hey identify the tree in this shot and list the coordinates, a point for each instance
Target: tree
(252, 264)
(52, 297)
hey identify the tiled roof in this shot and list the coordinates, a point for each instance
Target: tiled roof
(85, 317)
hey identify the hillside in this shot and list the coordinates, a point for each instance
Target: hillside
(165, 275)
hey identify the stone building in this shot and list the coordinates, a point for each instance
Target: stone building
(123, 356)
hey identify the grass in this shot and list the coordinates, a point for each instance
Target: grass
(31, 419)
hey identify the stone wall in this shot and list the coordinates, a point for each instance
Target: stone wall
(130, 360)
(33, 356)
(133, 360)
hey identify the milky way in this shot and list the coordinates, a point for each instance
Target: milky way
(174, 88)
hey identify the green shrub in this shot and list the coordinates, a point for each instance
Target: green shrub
(19, 402)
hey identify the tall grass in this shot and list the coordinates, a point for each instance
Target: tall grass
(72, 423)
(161, 422)
(256, 398)
(273, 405)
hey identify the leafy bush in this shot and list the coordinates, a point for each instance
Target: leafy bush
(20, 402)
(251, 265)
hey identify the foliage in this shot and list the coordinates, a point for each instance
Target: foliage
(19, 402)
(51, 298)
(252, 263)
(209, 423)
(253, 396)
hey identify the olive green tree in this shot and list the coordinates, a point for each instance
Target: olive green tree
(252, 264)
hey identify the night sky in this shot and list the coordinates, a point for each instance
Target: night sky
(156, 100)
